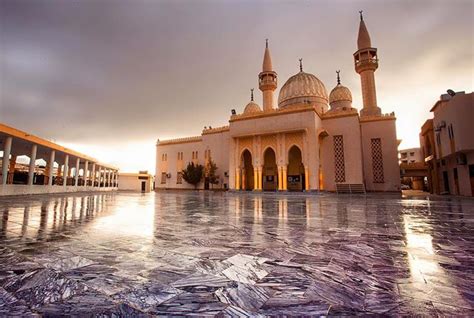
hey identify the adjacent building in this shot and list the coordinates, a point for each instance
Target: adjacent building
(141, 181)
(447, 143)
(413, 169)
(307, 140)
(410, 155)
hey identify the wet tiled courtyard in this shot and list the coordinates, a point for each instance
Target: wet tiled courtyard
(228, 254)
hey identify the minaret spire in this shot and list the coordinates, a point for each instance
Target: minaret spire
(363, 39)
(251, 94)
(267, 79)
(366, 63)
(338, 78)
(301, 64)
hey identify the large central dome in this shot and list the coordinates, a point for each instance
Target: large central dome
(303, 88)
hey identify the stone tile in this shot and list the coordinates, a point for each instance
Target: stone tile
(185, 253)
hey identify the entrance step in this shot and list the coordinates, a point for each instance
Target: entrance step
(350, 188)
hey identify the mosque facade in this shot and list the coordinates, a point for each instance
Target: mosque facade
(309, 141)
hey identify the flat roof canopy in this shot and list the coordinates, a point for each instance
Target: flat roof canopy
(22, 142)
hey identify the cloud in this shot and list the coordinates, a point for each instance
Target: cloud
(89, 71)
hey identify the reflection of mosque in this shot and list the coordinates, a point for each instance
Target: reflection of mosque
(41, 221)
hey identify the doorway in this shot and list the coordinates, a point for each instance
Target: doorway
(143, 186)
(295, 170)
(247, 171)
(446, 181)
(471, 177)
(270, 170)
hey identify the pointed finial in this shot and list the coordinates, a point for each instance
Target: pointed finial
(338, 78)
(361, 16)
(251, 94)
(301, 65)
(266, 43)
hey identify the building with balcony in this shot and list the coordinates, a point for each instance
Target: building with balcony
(447, 142)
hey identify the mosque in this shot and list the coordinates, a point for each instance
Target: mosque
(311, 141)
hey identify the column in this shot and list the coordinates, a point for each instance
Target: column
(255, 178)
(86, 170)
(93, 175)
(244, 185)
(76, 175)
(280, 178)
(31, 171)
(116, 179)
(66, 170)
(284, 168)
(101, 177)
(259, 170)
(237, 179)
(306, 178)
(107, 178)
(51, 167)
(7, 148)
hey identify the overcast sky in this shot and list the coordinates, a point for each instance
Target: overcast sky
(110, 77)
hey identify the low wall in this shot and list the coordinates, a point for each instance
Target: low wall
(20, 189)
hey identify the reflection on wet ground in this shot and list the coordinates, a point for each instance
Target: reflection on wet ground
(235, 255)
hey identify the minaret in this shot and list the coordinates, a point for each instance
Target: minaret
(366, 62)
(267, 80)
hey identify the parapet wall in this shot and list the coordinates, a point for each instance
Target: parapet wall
(20, 189)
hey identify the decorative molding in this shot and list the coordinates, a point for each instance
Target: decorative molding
(180, 140)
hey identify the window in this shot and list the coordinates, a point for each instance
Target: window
(163, 178)
(195, 155)
(180, 156)
(179, 177)
(412, 154)
(450, 131)
(377, 160)
(438, 139)
(164, 157)
(339, 173)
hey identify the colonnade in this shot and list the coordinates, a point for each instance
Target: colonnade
(241, 182)
(63, 168)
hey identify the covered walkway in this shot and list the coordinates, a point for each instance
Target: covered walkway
(50, 168)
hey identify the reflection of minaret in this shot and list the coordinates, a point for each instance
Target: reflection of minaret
(366, 62)
(43, 226)
(26, 217)
(3, 228)
(267, 80)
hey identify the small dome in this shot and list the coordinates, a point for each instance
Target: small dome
(302, 88)
(252, 107)
(340, 93)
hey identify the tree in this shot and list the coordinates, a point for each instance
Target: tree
(193, 174)
(210, 173)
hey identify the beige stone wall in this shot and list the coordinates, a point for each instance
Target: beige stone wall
(172, 166)
(217, 143)
(349, 128)
(386, 131)
(458, 112)
(131, 182)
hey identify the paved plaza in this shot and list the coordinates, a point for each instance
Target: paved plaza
(233, 254)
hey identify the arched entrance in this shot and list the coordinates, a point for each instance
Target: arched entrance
(270, 170)
(296, 175)
(247, 171)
